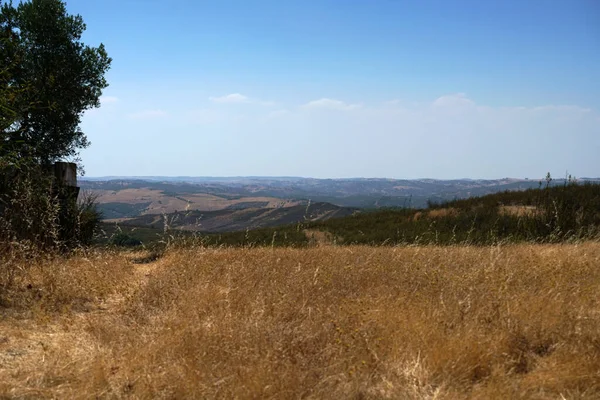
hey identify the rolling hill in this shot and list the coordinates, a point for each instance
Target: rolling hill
(239, 218)
(129, 197)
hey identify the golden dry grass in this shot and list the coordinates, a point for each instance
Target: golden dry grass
(436, 213)
(520, 321)
(442, 212)
(319, 238)
(519, 211)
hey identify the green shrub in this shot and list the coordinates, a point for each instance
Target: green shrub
(124, 240)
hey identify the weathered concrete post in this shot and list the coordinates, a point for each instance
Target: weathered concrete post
(67, 191)
(66, 177)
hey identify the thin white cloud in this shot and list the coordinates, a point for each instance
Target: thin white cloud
(237, 98)
(148, 114)
(453, 100)
(109, 99)
(331, 104)
(234, 98)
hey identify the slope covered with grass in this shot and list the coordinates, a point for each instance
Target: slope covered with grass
(454, 322)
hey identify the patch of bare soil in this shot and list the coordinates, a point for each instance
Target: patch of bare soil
(37, 352)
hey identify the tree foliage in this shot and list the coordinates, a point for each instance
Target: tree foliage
(48, 78)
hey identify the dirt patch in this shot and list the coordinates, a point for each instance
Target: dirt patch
(43, 355)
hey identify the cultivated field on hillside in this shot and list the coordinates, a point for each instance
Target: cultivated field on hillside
(150, 201)
(455, 322)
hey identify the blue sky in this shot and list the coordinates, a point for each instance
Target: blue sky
(381, 88)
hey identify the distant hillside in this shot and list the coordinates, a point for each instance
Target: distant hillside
(127, 197)
(132, 199)
(240, 218)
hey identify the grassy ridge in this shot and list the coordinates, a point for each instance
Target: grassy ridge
(551, 214)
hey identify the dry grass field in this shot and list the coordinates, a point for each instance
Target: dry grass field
(519, 321)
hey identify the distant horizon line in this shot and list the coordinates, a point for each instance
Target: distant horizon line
(231, 177)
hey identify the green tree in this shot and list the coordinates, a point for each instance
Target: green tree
(9, 59)
(48, 78)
